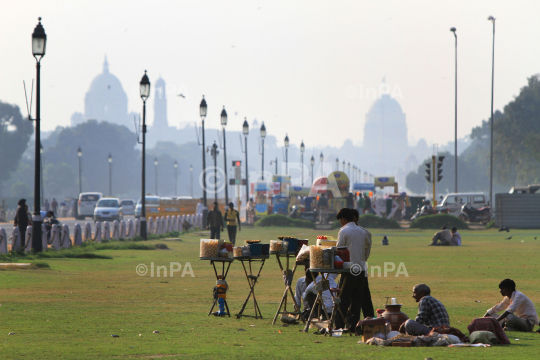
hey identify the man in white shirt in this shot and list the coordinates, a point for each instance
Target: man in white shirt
(301, 286)
(200, 207)
(311, 294)
(519, 311)
(359, 246)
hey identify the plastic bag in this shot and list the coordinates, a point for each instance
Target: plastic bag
(303, 254)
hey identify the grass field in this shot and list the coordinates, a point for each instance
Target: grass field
(71, 310)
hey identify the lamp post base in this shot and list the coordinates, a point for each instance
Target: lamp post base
(144, 234)
(37, 244)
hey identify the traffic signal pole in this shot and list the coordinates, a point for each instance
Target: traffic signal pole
(434, 178)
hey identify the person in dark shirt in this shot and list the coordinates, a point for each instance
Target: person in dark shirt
(322, 208)
(367, 204)
(431, 313)
(21, 219)
(214, 222)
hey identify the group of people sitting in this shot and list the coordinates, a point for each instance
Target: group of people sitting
(515, 313)
(446, 237)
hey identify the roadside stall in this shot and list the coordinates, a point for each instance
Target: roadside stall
(338, 190)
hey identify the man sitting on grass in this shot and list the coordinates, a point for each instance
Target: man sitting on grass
(444, 236)
(431, 313)
(519, 311)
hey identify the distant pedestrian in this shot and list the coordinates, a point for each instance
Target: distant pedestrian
(350, 201)
(21, 219)
(367, 204)
(214, 221)
(200, 207)
(232, 216)
(54, 205)
(360, 204)
(46, 205)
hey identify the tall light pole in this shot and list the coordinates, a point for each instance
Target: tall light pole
(191, 178)
(175, 177)
(312, 162)
(321, 159)
(286, 154)
(343, 168)
(275, 163)
(39, 42)
(214, 153)
(79, 155)
(302, 149)
(202, 112)
(41, 171)
(337, 164)
(455, 115)
(110, 159)
(263, 135)
(223, 124)
(144, 87)
(492, 19)
(245, 130)
(156, 173)
(349, 169)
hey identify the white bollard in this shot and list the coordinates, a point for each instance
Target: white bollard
(122, 229)
(158, 225)
(150, 229)
(87, 232)
(65, 241)
(28, 241)
(137, 227)
(130, 230)
(106, 235)
(162, 225)
(77, 235)
(3, 241)
(116, 230)
(44, 244)
(55, 237)
(180, 221)
(15, 239)
(97, 237)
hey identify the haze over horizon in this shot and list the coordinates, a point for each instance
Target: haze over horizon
(308, 69)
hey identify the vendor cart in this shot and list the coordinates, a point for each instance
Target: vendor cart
(252, 281)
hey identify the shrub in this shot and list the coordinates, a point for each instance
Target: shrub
(282, 220)
(490, 225)
(438, 221)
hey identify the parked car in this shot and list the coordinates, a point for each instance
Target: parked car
(128, 206)
(152, 206)
(87, 203)
(454, 202)
(108, 209)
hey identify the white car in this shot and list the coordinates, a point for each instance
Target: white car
(128, 206)
(152, 206)
(108, 209)
(454, 202)
(87, 203)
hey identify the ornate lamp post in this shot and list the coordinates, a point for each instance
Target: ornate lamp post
(263, 135)
(39, 42)
(302, 150)
(144, 87)
(337, 164)
(312, 162)
(156, 173)
(175, 177)
(79, 155)
(214, 153)
(245, 130)
(274, 162)
(343, 168)
(41, 171)
(223, 124)
(321, 159)
(455, 114)
(202, 111)
(492, 19)
(110, 160)
(286, 154)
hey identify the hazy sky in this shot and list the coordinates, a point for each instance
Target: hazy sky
(302, 67)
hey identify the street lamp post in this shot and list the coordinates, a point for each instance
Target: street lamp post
(214, 153)
(245, 130)
(39, 42)
(343, 168)
(321, 159)
(223, 124)
(79, 155)
(337, 164)
(202, 111)
(455, 120)
(263, 135)
(312, 162)
(302, 149)
(191, 178)
(349, 169)
(175, 177)
(144, 87)
(41, 171)
(275, 163)
(492, 19)
(110, 159)
(286, 154)
(156, 173)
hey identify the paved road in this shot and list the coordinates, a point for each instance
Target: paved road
(8, 227)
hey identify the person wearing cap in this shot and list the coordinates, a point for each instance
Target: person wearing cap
(21, 218)
(232, 217)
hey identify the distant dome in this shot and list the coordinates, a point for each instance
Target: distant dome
(387, 108)
(106, 81)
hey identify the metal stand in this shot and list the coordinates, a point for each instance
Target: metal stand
(252, 281)
(224, 273)
(288, 290)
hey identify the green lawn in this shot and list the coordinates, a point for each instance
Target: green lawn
(71, 310)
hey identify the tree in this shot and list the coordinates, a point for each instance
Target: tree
(14, 136)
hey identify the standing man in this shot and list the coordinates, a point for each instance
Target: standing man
(200, 207)
(54, 205)
(359, 248)
(367, 303)
(231, 217)
(367, 204)
(322, 208)
(350, 201)
(360, 203)
(21, 220)
(214, 221)
(46, 205)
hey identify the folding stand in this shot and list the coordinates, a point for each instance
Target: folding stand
(223, 273)
(288, 290)
(252, 281)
